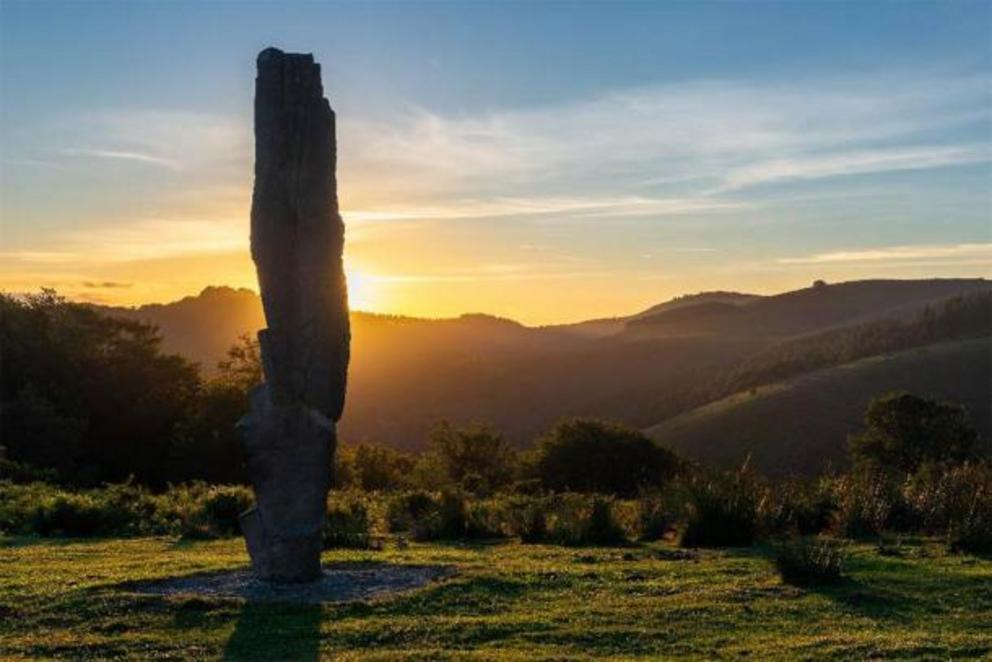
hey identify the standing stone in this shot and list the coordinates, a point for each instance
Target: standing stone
(297, 239)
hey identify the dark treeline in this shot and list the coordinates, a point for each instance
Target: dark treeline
(91, 399)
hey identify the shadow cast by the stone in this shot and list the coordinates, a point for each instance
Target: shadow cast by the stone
(342, 582)
(276, 631)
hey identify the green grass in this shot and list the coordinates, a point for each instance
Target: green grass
(63, 599)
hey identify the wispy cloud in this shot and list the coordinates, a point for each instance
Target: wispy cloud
(106, 285)
(542, 206)
(856, 163)
(121, 155)
(146, 239)
(201, 144)
(946, 252)
(692, 138)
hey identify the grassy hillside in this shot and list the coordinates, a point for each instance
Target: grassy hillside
(800, 424)
(65, 599)
(803, 311)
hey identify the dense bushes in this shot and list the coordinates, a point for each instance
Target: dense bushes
(197, 510)
(588, 455)
(706, 510)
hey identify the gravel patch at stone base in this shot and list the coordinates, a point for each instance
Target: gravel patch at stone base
(341, 582)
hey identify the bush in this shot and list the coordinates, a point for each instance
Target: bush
(798, 507)
(722, 510)
(75, 515)
(569, 519)
(810, 561)
(530, 523)
(588, 455)
(968, 508)
(347, 525)
(654, 519)
(486, 519)
(475, 458)
(444, 522)
(223, 505)
(601, 527)
(865, 502)
(403, 510)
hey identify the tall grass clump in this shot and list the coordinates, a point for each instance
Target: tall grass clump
(865, 504)
(798, 507)
(347, 524)
(654, 519)
(722, 509)
(808, 561)
(572, 520)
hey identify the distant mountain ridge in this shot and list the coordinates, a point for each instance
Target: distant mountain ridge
(408, 372)
(801, 311)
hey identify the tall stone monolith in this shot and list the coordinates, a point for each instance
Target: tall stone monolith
(297, 238)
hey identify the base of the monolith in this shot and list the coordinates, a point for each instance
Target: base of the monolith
(281, 559)
(289, 448)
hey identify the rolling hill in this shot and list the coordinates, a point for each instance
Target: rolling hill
(407, 373)
(807, 310)
(801, 424)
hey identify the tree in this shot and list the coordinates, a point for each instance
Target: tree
(589, 455)
(904, 431)
(112, 402)
(475, 457)
(370, 467)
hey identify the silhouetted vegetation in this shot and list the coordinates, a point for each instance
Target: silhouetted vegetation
(587, 455)
(90, 396)
(904, 431)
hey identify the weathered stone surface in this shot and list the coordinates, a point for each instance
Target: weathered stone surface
(297, 239)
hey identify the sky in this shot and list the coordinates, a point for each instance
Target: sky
(544, 161)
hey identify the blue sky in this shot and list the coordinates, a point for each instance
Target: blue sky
(546, 161)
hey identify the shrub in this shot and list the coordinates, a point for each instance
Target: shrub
(601, 527)
(571, 520)
(722, 510)
(969, 508)
(347, 525)
(444, 522)
(486, 519)
(403, 510)
(76, 515)
(797, 507)
(653, 520)
(865, 502)
(530, 523)
(810, 561)
(475, 458)
(223, 505)
(588, 455)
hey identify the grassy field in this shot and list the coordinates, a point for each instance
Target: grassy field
(800, 425)
(63, 599)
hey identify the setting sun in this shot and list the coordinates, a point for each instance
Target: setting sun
(361, 290)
